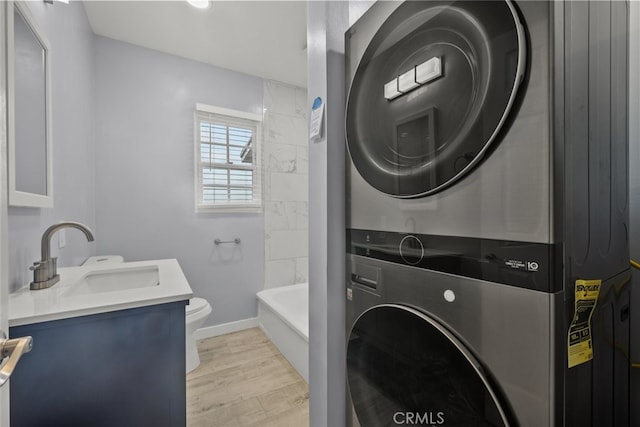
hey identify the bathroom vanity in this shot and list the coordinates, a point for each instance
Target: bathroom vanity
(109, 347)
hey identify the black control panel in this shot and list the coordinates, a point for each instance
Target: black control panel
(521, 264)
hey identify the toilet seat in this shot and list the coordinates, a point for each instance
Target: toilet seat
(196, 305)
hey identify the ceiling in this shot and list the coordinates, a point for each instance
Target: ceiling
(263, 38)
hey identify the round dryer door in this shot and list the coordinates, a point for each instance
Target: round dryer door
(404, 367)
(432, 91)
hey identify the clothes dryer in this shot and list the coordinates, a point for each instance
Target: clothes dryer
(434, 88)
(486, 175)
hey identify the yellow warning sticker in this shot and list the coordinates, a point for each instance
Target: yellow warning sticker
(580, 344)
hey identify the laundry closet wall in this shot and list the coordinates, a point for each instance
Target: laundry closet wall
(634, 193)
(327, 22)
(634, 128)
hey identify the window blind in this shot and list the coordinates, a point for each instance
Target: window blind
(228, 161)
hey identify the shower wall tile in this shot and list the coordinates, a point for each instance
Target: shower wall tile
(288, 244)
(286, 194)
(279, 98)
(301, 102)
(275, 216)
(284, 129)
(302, 163)
(286, 215)
(267, 248)
(280, 273)
(266, 187)
(298, 214)
(289, 187)
(302, 270)
(282, 158)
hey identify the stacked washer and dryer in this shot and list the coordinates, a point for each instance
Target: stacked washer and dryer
(488, 172)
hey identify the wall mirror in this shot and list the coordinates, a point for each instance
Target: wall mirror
(29, 112)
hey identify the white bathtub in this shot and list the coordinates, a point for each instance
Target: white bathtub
(283, 315)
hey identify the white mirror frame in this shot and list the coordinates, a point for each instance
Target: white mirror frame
(21, 198)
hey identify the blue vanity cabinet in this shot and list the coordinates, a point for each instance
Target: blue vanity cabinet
(116, 369)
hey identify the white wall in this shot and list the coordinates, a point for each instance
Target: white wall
(145, 102)
(286, 176)
(70, 37)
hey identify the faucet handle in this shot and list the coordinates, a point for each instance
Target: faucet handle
(45, 274)
(36, 265)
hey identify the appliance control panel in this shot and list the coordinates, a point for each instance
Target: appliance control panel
(521, 264)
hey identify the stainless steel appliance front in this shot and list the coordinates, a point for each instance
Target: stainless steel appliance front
(467, 154)
(401, 365)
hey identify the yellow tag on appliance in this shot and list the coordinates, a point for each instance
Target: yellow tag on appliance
(580, 343)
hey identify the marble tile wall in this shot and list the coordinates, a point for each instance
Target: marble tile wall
(286, 193)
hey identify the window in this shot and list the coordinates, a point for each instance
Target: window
(227, 156)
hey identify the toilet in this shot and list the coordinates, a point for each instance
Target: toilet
(196, 312)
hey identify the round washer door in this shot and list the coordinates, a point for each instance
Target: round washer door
(431, 92)
(404, 367)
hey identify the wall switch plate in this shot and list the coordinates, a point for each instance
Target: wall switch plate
(62, 239)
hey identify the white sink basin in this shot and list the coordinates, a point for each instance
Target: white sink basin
(117, 279)
(100, 288)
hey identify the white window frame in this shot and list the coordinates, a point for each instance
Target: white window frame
(255, 205)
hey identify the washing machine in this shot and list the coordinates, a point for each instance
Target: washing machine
(486, 174)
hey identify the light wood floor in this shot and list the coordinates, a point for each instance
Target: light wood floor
(243, 380)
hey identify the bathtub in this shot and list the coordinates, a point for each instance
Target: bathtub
(283, 315)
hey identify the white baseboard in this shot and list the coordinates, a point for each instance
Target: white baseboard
(226, 328)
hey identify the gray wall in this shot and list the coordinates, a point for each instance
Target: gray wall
(634, 131)
(4, 239)
(327, 22)
(634, 190)
(123, 130)
(144, 127)
(70, 37)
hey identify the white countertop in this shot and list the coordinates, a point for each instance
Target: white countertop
(59, 302)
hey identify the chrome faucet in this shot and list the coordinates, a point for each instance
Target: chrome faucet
(45, 271)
